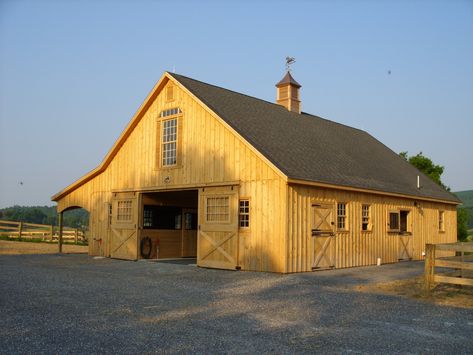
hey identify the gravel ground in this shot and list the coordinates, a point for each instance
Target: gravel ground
(78, 304)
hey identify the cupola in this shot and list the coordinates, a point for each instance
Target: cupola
(288, 93)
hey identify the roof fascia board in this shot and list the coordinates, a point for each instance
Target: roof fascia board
(376, 192)
(119, 142)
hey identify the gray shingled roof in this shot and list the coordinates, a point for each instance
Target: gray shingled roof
(314, 149)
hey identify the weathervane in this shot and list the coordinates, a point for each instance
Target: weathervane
(289, 61)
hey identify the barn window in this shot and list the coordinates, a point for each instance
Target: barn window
(147, 217)
(110, 214)
(365, 217)
(244, 214)
(218, 209)
(169, 142)
(170, 112)
(341, 216)
(162, 217)
(190, 221)
(124, 212)
(403, 221)
(441, 221)
(393, 221)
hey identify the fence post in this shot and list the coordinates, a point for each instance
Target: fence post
(76, 235)
(59, 240)
(20, 230)
(429, 269)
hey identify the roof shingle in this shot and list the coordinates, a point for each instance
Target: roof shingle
(314, 149)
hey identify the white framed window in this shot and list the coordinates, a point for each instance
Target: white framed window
(365, 217)
(169, 142)
(244, 213)
(341, 216)
(217, 209)
(124, 211)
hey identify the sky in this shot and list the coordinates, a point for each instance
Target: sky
(73, 73)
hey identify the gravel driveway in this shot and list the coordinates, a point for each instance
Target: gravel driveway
(78, 304)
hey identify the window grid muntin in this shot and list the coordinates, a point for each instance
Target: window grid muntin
(170, 112)
(124, 211)
(365, 217)
(218, 209)
(110, 214)
(169, 142)
(341, 215)
(147, 218)
(244, 213)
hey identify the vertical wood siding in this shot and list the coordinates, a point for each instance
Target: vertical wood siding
(356, 247)
(211, 153)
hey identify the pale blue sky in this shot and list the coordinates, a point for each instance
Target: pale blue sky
(73, 73)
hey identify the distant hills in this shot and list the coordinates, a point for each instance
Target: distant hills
(467, 199)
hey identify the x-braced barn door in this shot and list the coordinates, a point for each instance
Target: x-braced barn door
(405, 247)
(217, 244)
(323, 236)
(124, 228)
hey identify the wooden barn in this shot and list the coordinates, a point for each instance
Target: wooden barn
(241, 183)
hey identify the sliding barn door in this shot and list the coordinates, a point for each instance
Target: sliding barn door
(323, 236)
(124, 227)
(217, 244)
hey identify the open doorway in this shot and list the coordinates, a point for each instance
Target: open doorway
(169, 225)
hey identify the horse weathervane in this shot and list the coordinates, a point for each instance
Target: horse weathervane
(289, 61)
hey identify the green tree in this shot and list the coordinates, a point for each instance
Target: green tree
(427, 166)
(462, 232)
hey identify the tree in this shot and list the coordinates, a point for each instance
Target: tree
(427, 166)
(462, 232)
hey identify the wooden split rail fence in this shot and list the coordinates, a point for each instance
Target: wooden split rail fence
(23, 230)
(460, 263)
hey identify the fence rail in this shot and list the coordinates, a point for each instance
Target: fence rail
(23, 230)
(459, 263)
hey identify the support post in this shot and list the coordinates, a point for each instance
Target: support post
(59, 239)
(429, 266)
(20, 230)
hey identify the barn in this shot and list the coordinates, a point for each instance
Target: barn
(241, 183)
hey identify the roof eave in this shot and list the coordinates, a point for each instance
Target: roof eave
(371, 191)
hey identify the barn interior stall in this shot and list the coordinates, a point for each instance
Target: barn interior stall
(169, 225)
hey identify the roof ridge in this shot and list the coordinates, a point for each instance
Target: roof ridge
(266, 101)
(222, 88)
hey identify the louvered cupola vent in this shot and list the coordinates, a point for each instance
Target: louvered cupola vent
(288, 93)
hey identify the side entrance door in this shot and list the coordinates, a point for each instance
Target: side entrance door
(323, 236)
(217, 244)
(124, 227)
